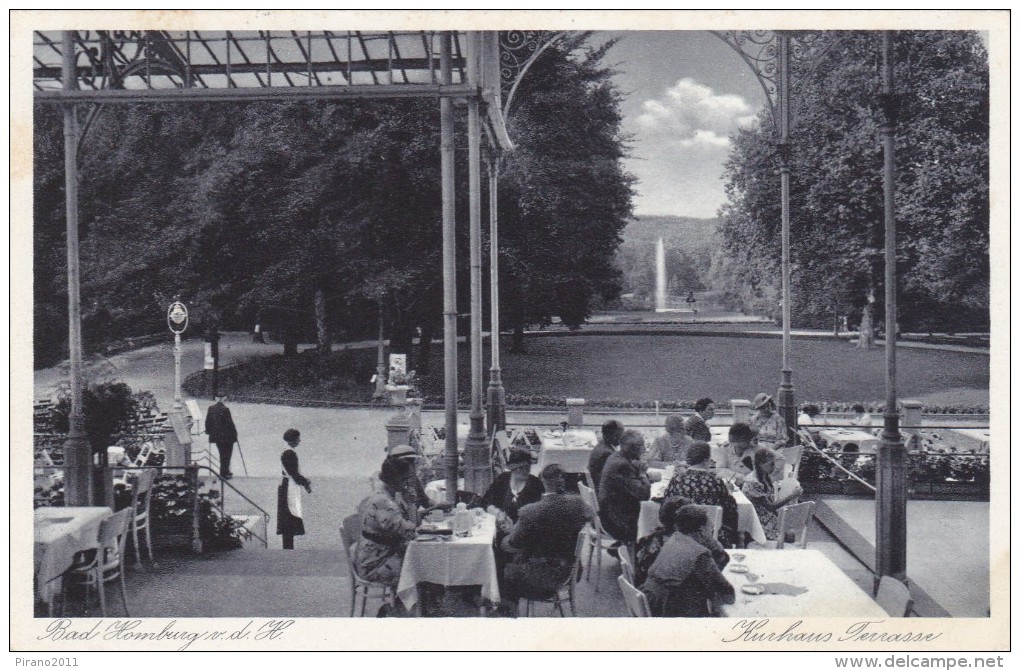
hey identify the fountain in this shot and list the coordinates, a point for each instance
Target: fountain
(660, 277)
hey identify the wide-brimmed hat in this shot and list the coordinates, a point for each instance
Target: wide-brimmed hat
(398, 451)
(761, 400)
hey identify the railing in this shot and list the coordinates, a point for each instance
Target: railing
(249, 520)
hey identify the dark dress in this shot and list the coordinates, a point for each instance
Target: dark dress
(706, 489)
(286, 523)
(697, 429)
(500, 495)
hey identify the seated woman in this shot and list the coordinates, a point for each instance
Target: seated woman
(515, 488)
(733, 461)
(671, 447)
(698, 484)
(684, 579)
(760, 488)
(388, 521)
(767, 424)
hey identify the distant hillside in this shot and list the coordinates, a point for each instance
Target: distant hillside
(687, 232)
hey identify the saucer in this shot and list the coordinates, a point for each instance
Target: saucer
(739, 568)
(752, 588)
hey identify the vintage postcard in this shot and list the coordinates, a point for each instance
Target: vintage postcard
(258, 256)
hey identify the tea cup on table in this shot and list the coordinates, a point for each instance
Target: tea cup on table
(436, 515)
(739, 557)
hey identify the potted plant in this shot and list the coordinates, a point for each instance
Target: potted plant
(399, 386)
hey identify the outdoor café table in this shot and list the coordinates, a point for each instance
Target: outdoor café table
(60, 533)
(458, 561)
(796, 583)
(970, 440)
(866, 442)
(747, 518)
(571, 450)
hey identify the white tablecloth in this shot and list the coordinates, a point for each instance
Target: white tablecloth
(570, 450)
(867, 442)
(747, 518)
(825, 591)
(977, 440)
(59, 534)
(460, 561)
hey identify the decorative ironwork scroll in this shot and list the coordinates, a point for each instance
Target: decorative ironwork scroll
(760, 50)
(518, 49)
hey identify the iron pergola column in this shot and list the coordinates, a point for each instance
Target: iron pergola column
(449, 271)
(78, 488)
(891, 474)
(496, 392)
(477, 469)
(786, 404)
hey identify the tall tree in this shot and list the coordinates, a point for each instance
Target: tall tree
(564, 198)
(836, 185)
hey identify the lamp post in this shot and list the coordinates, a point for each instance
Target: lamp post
(891, 472)
(177, 320)
(496, 392)
(380, 362)
(477, 469)
(785, 397)
(78, 487)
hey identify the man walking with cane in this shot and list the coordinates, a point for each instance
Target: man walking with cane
(219, 425)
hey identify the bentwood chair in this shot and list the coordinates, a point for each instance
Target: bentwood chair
(141, 495)
(597, 538)
(794, 519)
(558, 597)
(637, 602)
(106, 561)
(715, 517)
(626, 564)
(350, 532)
(894, 597)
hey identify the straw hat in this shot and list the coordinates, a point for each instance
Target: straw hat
(761, 400)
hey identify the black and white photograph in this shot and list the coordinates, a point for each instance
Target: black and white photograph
(459, 320)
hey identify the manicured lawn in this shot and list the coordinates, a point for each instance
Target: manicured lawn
(679, 367)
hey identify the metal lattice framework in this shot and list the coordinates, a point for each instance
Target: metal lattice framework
(762, 50)
(212, 60)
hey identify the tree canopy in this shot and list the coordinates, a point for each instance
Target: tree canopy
(310, 216)
(941, 200)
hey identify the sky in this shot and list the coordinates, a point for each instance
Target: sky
(685, 92)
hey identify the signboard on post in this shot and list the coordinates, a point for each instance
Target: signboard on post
(177, 317)
(398, 364)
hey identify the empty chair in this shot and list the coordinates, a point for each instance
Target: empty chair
(597, 538)
(715, 517)
(350, 532)
(637, 602)
(794, 519)
(894, 597)
(558, 597)
(626, 564)
(106, 561)
(792, 455)
(140, 497)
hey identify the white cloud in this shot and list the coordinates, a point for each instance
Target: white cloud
(690, 114)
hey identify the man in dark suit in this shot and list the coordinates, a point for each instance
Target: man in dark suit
(611, 432)
(219, 425)
(543, 541)
(623, 487)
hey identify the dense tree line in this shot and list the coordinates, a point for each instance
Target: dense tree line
(942, 197)
(307, 217)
